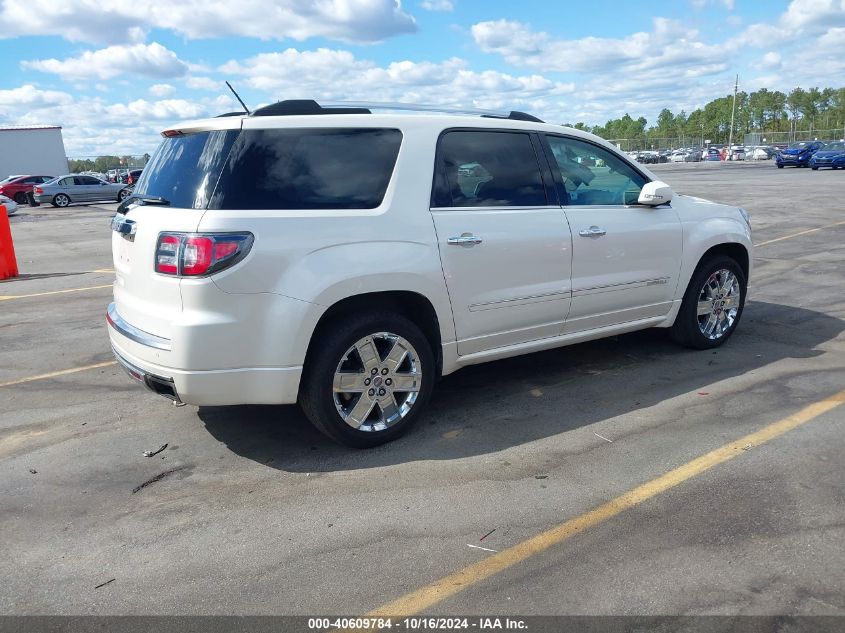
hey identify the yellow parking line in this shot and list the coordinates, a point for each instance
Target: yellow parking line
(51, 292)
(421, 599)
(789, 237)
(61, 372)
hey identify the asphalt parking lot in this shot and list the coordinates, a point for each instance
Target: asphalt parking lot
(259, 514)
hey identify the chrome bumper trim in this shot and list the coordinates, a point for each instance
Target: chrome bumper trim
(133, 333)
(157, 384)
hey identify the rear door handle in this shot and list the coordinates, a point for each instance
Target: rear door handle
(466, 240)
(593, 231)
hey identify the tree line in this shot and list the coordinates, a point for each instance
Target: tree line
(770, 113)
(102, 164)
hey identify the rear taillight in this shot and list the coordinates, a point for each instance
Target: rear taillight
(38, 190)
(194, 255)
(167, 254)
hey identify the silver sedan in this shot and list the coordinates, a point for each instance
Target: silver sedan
(63, 190)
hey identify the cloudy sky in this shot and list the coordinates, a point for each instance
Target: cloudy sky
(114, 73)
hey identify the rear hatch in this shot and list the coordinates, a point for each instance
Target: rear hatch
(171, 196)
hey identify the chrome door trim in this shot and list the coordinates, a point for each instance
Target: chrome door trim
(465, 239)
(593, 231)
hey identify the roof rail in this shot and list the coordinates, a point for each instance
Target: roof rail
(415, 107)
(292, 107)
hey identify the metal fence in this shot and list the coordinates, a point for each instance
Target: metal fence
(780, 138)
(754, 138)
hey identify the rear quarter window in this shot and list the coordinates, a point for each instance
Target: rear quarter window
(320, 168)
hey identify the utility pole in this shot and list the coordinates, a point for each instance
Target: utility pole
(733, 112)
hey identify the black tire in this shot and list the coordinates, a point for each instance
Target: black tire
(316, 394)
(686, 330)
(20, 198)
(814, 168)
(61, 200)
(123, 194)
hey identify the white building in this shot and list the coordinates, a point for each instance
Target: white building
(36, 150)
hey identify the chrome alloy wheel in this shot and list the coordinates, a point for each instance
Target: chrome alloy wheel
(377, 381)
(718, 304)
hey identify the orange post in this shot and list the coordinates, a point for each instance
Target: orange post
(8, 262)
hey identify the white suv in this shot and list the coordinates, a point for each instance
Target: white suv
(346, 260)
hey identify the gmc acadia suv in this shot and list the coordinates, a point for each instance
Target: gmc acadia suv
(345, 260)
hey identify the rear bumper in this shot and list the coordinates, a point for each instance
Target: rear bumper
(218, 387)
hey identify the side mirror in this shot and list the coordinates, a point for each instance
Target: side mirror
(655, 193)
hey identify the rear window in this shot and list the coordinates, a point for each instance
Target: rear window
(185, 169)
(274, 169)
(348, 168)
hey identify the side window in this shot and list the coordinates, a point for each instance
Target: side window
(80, 180)
(296, 168)
(488, 169)
(66, 182)
(592, 175)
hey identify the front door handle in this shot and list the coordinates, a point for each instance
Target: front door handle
(466, 240)
(593, 231)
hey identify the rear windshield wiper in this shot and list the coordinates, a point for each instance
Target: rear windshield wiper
(149, 199)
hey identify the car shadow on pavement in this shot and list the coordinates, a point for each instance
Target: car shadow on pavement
(487, 408)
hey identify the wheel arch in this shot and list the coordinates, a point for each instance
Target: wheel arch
(736, 251)
(412, 305)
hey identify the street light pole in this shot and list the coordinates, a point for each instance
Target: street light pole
(733, 112)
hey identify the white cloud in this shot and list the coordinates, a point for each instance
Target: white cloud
(162, 90)
(92, 126)
(204, 83)
(698, 4)
(31, 97)
(150, 60)
(670, 46)
(802, 18)
(770, 61)
(339, 75)
(437, 5)
(118, 21)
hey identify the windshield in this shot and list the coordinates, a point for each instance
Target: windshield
(799, 145)
(184, 169)
(839, 146)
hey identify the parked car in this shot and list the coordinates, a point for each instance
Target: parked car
(62, 191)
(306, 259)
(678, 156)
(19, 188)
(133, 175)
(711, 153)
(760, 153)
(11, 205)
(831, 155)
(737, 153)
(798, 154)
